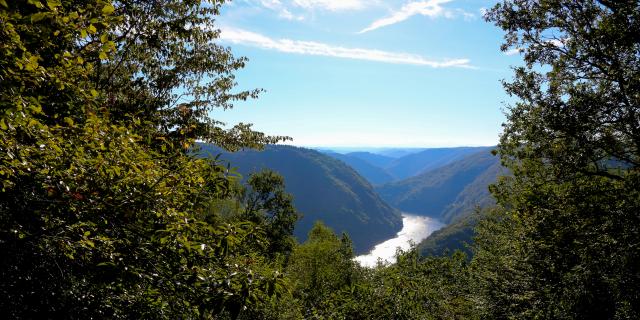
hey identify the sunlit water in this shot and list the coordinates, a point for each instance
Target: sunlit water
(414, 229)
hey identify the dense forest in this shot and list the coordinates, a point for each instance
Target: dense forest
(323, 189)
(107, 211)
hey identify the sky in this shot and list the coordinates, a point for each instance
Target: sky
(369, 73)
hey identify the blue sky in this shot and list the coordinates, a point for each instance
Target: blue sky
(369, 73)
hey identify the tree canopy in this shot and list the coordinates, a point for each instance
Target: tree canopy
(104, 213)
(107, 212)
(565, 246)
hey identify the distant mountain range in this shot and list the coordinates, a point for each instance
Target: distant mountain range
(380, 169)
(424, 161)
(447, 192)
(444, 183)
(366, 164)
(324, 189)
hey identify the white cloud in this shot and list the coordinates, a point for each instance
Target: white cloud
(286, 14)
(271, 4)
(253, 39)
(429, 8)
(332, 5)
(297, 9)
(513, 51)
(281, 9)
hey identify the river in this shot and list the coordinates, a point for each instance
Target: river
(414, 229)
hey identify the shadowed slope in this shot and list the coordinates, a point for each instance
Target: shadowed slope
(324, 189)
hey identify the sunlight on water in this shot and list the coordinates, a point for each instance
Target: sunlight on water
(414, 228)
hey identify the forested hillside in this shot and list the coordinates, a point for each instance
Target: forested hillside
(368, 165)
(458, 235)
(447, 192)
(427, 160)
(380, 169)
(323, 189)
(378, 160)
(107, 213)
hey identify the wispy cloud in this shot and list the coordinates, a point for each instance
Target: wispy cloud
(281, 9)
(286, 8)
(286, 14)
(271, 4)
(253, 39)
(332, 5)
(429, 8)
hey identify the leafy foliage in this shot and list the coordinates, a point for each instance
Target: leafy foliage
(106, 212)
(566, 245)
(321, 267)
(103, 213)
(267, 204)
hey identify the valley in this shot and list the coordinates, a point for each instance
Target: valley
(362, 193)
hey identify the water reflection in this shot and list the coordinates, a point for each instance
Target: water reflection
(414, 228)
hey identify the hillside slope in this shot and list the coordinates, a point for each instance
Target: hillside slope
(476, 194)
(324, 189)
(429, 159)
(458, 235)
(374, 174)
(448, 192)
(375, 159)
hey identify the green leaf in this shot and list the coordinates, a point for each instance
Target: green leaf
(35, 3)
(108, 9)
(52, 4)
(92, 29)
(38, 16)
(102, 55)
(105, 264)
(3, 125)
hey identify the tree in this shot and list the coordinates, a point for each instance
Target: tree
(320, 268)
(103, 211)
(267, 204)
(572, 142)
(170, 71)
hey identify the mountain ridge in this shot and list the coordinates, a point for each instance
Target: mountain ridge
(324, 189)
(447, 192)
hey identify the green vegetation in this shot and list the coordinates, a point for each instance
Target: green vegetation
(103, 214)
(324, 189)
(566, 245)
(456, 236)
(106, 212)
(449, 192)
